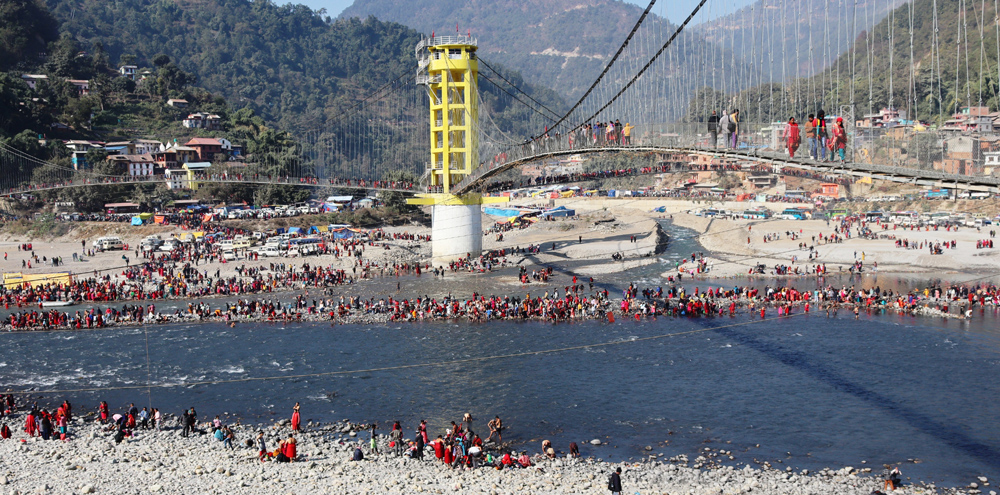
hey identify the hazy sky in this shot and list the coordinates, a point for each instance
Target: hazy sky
(674, 10)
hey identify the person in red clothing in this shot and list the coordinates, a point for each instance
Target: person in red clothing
(792, 136)
(4, 432)
(30, 425)
(449, 456)
(290, 449)
(438, 445)
(296, 419)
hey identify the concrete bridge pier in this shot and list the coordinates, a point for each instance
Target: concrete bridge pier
(456, 232)
(456, 224)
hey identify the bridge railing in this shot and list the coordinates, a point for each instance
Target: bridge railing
(183, 181)
(907, 151)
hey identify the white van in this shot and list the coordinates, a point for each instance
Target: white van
(270, 250)
(229, 255)
(108, 243)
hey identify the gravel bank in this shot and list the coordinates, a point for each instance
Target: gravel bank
(165, 462)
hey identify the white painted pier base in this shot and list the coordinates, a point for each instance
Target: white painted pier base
(456, 231)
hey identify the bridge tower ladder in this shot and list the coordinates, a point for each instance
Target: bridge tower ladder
(448, 66)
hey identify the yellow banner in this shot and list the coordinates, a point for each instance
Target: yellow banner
(14, 280)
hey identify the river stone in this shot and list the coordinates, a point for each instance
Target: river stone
(595, 441)
(87, 489)
(155, 488)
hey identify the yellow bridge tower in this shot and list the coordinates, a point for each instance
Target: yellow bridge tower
(448, 67)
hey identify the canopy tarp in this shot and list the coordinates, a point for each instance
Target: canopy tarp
(136, 221)
(159, 219)
(294, 230)
(145, 216)
(342, 234)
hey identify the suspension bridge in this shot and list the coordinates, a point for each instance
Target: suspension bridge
(890, 81)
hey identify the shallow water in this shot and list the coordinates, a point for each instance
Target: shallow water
(812, 391)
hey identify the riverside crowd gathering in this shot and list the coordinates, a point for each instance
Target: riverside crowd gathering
(576, 301)
(457, 446)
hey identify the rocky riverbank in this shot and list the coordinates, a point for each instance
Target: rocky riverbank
(162, 461)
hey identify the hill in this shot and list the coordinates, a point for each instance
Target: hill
(790, 40)
(288, 63)
(563, 44)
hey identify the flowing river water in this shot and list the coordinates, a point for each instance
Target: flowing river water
(808, 390)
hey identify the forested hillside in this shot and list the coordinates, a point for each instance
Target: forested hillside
(290, 64)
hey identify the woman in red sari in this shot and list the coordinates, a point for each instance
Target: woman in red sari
(30, 425)
(296, 419)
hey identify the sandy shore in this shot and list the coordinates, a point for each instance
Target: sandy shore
(163, 461)
(726, 246)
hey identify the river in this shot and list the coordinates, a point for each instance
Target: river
(811, 391)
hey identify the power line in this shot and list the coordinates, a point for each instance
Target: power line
(501, 76)
(436, 364)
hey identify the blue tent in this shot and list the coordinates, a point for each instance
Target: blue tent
(136, 221)
(561, 211)
(342, 234)
(294, 230)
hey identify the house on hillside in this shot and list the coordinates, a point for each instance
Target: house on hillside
(79, 150)
(33, 80)
(177, 103)
(233, 150)
(120, 148)
(144, 146)
(82, 86)
(133, 165)
(202, 120)
(207, 148)
(181, 154)
(164, 159)
(128, 71)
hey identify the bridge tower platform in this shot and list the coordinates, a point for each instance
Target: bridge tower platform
(449, 69)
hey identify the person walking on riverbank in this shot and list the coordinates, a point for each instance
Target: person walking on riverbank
(615, 482)
(374, 442)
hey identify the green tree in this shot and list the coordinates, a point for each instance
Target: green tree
(26, 27)
(396, 201)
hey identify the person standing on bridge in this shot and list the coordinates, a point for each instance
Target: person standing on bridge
(792, 136)
(839, 142)
(627, 134)
(713, 129)
(822, 137)
(811, 135)
(724, 127)
(734, 129)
